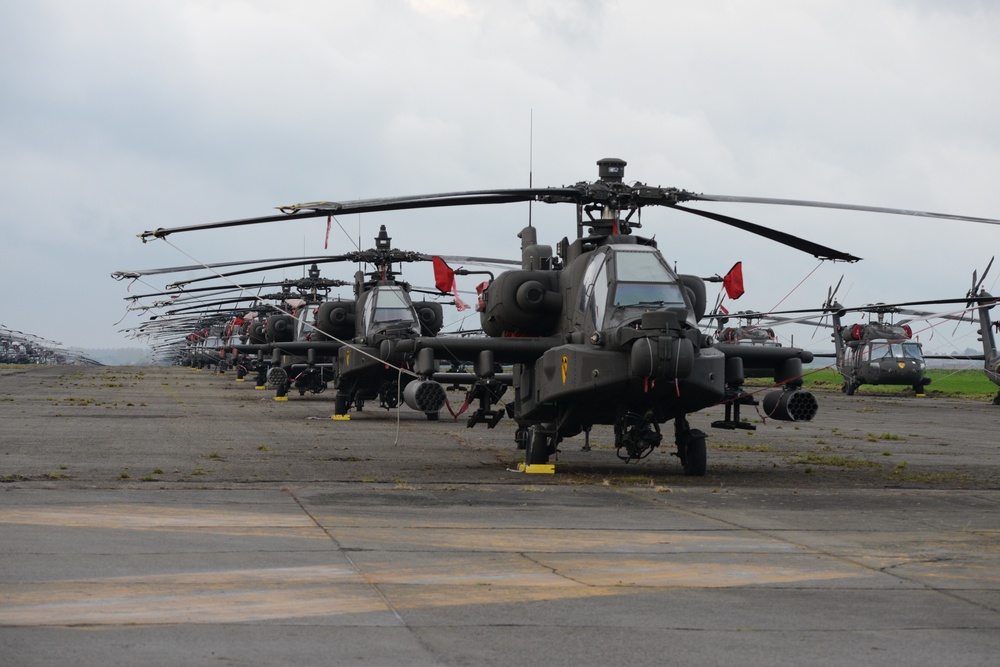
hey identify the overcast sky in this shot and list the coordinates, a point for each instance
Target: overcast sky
(118, 116)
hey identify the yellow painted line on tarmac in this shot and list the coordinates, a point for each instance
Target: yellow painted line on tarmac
(713, 572)
(233, 596)
(119, 516)
(483, 538)
(596, 571)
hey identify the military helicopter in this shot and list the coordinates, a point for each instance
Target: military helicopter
(978, 299)
(18, 347)
(346, 341)
(602, 331)
(876, 353)
(985, 301)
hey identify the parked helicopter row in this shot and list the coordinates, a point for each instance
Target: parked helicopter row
(17, 347)
(598, 330)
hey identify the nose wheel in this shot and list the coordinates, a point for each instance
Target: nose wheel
(539, 446)
(692, 449)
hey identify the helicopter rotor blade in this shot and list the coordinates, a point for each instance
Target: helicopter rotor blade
(284, 265)
(835, 289)
(136, 273)
(982, 279)
(846, 207)
(318, 209)
(814, 249)
(599, 193)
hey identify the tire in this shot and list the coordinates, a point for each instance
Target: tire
(696, 459)
(537, 449)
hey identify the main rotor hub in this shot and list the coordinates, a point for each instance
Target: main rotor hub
(383, 241)
(611, 169)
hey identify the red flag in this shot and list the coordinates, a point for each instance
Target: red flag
(444, 277)
(733, 281)
(444, 280)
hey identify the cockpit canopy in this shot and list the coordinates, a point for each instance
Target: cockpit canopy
(623, 282)
(880, 349)
(389, 308)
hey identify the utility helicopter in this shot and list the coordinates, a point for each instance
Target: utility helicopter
(985, 302)
(602, 331)
(978, 299)
(877, 353)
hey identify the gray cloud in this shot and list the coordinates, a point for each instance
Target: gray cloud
(118, 117)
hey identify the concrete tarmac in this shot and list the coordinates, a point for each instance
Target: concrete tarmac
(168, 516)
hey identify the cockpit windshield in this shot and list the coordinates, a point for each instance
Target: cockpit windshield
(883, 349)
(392, 306)
(644, 280)
(303, 326)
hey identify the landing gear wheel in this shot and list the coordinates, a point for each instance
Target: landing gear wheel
(537, 448)
(918, 388)
(695, 460)
(431, 416)
(850, 388)
(341, 404)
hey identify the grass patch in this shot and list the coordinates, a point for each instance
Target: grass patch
(884, 436)
(899, 474)
(836, 460)
(738, 447)
(945, 383)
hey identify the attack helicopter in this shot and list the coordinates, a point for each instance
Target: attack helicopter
(18, 347)
(348, 341)
(351, 332)
(602, 331)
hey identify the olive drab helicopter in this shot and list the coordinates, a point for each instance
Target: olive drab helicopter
(348, 341)
(878, 352)
(985, 302)
(601, 330)
(982, 302)
(18, 347)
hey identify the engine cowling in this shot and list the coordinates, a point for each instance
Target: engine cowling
(526, 303)
(280, 329)
(257, 332)
(430, 314)
(335, 319)
(695, 287)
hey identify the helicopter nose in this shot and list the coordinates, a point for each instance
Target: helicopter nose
(661, 357)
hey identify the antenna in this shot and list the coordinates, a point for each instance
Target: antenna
(531, 146)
